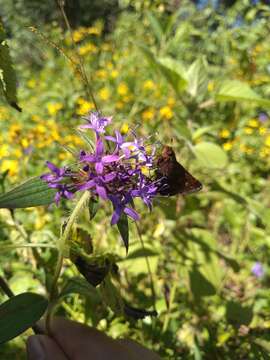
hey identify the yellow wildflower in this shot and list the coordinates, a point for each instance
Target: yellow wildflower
(94, 30)
(248, 130)
(148, 114)
(87, 49)
(31, 83)
(4, 150)
(107, 47)
(267, 141)
(148, 85)
(104, 93)
(171, 101)
(224, 134)
(101, 74)
(264, 152)
(254, 123)
(53, 108)
(3, 112)
(210, 86)
(11, 165)
(124, 128)
(262, 130)
(85, 107)
(127, 98)
(35, 118)
(250, 151)
(114, 73)
(79, 34)
(119, 105)
(227, 146)
(109, 65)
(25, 142)
(17, 153)
(166, 112)
(122, 89)
(243, 148)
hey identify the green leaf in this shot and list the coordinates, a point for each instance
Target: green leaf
(197, 77)
(112, 296)
(263, 343)
(8, 83)
(237, 314)
(174, 72)
(123, 229)
(33, 192)
(20, 313)
(93, 206)
(78, 285)
(235, 90)
(210, 155)
(155, 25)
(171, 69)
(199, 285)
(141, 253)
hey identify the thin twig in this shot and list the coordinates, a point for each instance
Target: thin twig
(81, 63)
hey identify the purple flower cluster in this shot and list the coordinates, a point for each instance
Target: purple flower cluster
(120, 169)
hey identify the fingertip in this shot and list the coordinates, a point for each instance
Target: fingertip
(41, 347)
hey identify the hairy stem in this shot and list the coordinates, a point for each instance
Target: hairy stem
(62, 252)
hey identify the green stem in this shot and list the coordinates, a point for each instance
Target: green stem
(62, 252)
(148, 268)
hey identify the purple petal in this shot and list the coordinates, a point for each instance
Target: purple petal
(99, 167)
(101, 191)
(109, 177)
(109, 158)
(57, 198)
(116, 216)
(110, 138)
(87, 185)
(99, 147)
(90, 158)
(52, 167)
(131, 213)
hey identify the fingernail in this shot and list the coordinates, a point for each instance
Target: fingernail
(35, 350)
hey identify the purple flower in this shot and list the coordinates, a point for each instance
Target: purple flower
(55, 181)
(263, 117)
(257, 270)
(99, 159)
(120, 206)
(117, 175)
(146, 190)
(96, 122)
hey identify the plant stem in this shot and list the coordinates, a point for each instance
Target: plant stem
(81, 64)
(148, 268)
(5, 288)
(62, 252)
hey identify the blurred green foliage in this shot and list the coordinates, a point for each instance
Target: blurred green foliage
(200, 80)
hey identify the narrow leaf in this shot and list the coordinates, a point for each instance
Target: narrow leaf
(8, 83)
(123, 229)
(20, 313)
(33, 192)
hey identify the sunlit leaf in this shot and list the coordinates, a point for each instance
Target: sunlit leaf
(210, 155)
(235, 90)
(31, 193)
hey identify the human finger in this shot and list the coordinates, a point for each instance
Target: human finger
(42, 347)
